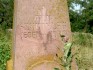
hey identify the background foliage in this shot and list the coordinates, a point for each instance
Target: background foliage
(6, 14)
(81, 19)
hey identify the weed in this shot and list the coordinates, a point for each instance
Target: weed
(5, 48)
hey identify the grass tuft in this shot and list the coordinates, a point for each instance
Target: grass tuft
(83, 44)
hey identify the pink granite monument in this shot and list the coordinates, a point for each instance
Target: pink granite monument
(38, 25)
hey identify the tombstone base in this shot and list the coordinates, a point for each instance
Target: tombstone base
(45, 66)
(48, 62)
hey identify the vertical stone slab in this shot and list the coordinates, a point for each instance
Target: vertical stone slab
(38, 25)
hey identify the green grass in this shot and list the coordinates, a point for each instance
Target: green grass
(83, 44)
(5, 48)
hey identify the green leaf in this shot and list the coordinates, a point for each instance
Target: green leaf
(56, 68)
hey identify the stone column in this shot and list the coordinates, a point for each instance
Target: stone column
(38, 25)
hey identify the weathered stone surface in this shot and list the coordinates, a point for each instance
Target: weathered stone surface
(38, 25)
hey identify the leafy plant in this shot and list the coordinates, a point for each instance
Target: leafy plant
(67, 56)
(5, 48)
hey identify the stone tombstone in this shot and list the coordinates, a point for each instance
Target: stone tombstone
(38, 25)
